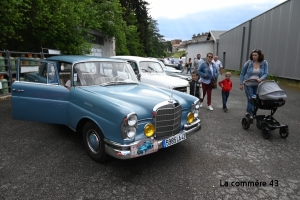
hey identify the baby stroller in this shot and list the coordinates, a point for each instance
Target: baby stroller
(269, 96)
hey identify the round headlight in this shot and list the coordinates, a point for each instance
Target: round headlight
(149, 130)
(131, 131)
(190, 117)
(193, 109)
(196, 114)
(132, 120)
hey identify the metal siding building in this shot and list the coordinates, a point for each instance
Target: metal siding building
(276, 32)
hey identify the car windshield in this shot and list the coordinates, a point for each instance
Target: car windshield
(103, 73)
(150, 67)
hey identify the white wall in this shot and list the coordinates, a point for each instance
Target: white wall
(109, 48)
(202, 47)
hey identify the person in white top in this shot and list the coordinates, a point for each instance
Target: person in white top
(180, 61)
(218, 65)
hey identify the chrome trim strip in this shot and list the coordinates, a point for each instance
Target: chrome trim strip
(122, 151)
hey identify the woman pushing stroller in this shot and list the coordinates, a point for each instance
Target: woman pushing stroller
(254, 69)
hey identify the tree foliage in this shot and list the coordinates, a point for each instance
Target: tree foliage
(28, 25)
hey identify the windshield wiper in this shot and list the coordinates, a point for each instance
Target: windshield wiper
(151, 69)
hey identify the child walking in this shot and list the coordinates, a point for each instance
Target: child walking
(226, 86)
(196, 87)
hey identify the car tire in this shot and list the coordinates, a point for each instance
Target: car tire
(93, 140)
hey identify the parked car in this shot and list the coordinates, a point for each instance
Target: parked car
(170, 71)
(115, 113)
(151, 71)
(166, 63)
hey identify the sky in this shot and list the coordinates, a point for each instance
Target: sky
(183, 19)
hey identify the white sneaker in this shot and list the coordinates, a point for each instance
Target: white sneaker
(201, 105)
(209, 108)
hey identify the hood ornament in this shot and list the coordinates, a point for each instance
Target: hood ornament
(170, 98)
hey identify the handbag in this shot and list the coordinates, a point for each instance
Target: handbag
(213, 83)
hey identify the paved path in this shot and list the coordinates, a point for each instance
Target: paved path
(45, 161)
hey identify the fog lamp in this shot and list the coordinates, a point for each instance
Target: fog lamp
(190, 117)
(149, 130)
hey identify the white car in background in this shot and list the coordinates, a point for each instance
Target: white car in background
(151, 71)
(170, 71)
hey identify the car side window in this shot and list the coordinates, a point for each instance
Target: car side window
(38, 72)
(65, 73)
(30, 71)
(51, 74)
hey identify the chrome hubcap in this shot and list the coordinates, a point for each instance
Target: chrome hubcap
(93, 141)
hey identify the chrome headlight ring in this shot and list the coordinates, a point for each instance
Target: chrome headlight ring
(196, 108)
(129, 126)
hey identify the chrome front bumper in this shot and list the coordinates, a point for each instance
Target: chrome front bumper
(122, 151)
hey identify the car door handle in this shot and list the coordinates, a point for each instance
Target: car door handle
(14, 90)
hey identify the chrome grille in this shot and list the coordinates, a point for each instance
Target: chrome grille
(180, 89)
(168, 120)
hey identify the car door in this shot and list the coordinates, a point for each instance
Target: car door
(37, 94)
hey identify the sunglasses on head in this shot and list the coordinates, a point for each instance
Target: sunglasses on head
(256, 50)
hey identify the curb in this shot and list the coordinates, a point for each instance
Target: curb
(5, 97)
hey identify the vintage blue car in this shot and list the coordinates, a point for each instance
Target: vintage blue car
(102, 99)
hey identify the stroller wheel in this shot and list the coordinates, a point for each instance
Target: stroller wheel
(245, 123)
(284, 132)
(266, 133)
(258, 125)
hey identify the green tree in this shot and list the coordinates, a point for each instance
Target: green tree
(59, 24)
(27, 25)
(133, 41)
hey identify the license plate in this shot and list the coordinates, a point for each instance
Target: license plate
(174, 140)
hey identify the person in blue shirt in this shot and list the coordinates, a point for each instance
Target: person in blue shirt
(207, 72)
(254, 71)
(172, 60)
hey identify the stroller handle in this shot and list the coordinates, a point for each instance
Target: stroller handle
(250, 80)
(256, 80)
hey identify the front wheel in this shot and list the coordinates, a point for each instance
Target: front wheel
(245, 123)
(266, 133)
(94, 142)
(284, 132)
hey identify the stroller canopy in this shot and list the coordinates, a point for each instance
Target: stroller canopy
(270, 90)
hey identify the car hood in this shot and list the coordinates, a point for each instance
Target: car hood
(183, 76)
(139, 98)
(163, 80)
(171, 69)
